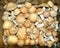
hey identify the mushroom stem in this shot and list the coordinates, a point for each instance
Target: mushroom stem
(42, 17)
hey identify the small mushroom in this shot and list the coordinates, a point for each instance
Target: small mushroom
(33, 17)
(28, 5)
(27, 23)
(55, 8)
(13, 30)
(24, 9)
(27, 41)
(39, 11)
(41, 41)
(12, 40)
(50, 3)
(46, 14)
(32, 42)
(53, 13)
(7, 25)
(11, 6)
(20, 42)
(20, 19)
(22, 33)
(32, 9)
(16, 11)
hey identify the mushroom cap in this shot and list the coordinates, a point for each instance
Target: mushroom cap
(33, 17)
(12, 40)
(27, 41)
(39, 11)
(32, 9)
(11, 6)
(41, 40)
(24, 9)
(32, 42)
(22, 33)
(6, 13)
(46, 14)
(7, 25)
(20, 42)
(53, 13)
(50, 3)
(16, 11)
(43, 5)
(28, 5)
(20, 19)
(27, 23)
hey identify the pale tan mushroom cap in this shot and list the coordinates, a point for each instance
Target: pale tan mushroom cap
(11, 6)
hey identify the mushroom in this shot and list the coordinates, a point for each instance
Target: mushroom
(39, 11)
(6, 13)
(24, 9)
(6, 33)
(16, 11)
(32, 42)
(22, 33)
(50, 3)
(33, 17)
(28, 5)
(46, 14)
(41, 41)
(20, 42)
(7, 25)
(13, 30)
(53, 13)
(27, 23)
(54, 33)
(27, 41)
(32, 9)
(20, 19)
(11, 6)
(12, 40)
(55, 8)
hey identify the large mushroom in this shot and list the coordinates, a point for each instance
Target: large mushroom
(11, 6)
(8, 25)
(12, 40)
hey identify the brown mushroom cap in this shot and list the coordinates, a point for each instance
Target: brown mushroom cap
(11, 6)
(12, 40)
(50, 3)
(41, 40)
(27, 4)
(32, 9)
(27, 23)
(16, 11)
(20, 19)
(33, 17)
(22, 33)
(32, 42)
(27, 41)
(20, 42)
(7, 25)
(24, 9)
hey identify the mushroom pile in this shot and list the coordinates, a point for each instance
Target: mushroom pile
(27, 24)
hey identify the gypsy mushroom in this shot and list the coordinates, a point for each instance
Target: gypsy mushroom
(12, 40)
(7, 25)
(11, 6)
